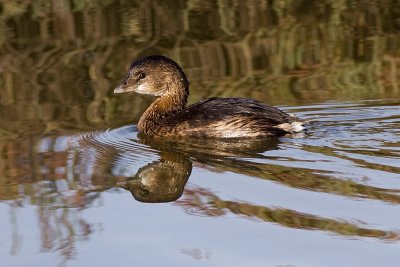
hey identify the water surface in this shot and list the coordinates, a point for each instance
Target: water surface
(80, 186)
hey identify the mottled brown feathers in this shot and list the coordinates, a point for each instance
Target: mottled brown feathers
(226, 118)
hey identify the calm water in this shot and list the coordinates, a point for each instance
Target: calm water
(79, 186)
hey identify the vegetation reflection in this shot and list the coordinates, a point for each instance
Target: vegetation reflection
(275, 51)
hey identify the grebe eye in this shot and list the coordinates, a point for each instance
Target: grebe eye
(142, 75)
(145, 191)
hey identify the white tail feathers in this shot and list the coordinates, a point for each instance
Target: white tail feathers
(293, 127)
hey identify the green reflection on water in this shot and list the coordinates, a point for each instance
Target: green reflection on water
(60, 60)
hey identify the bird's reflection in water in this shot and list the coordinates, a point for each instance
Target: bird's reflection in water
(164, 180)
(160, 181)
(212, 148)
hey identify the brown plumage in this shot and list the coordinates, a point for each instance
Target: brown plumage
(213, 117)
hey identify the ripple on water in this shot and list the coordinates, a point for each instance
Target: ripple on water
(348, 158)
(343, 173)
(355, 141)
(117, 147)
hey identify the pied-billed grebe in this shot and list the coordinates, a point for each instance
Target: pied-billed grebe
(214, 117)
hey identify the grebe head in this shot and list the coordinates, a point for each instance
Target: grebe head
(154, 75)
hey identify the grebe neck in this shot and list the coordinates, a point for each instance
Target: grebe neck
(173, 101)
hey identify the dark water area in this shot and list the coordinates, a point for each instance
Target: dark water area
(80, 186)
